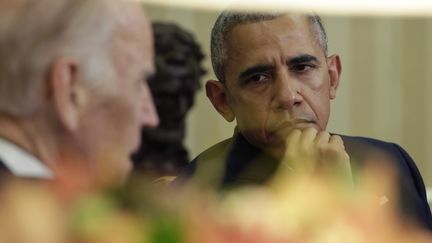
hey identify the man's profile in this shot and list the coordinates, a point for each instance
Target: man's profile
(73, 91)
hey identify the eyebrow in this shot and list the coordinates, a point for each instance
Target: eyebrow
(302, 59)
(259, 68)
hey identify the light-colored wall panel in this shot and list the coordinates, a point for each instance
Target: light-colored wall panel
(414, 90)
(338, 31)
(427, 165)
(363, 77)
(388, 82)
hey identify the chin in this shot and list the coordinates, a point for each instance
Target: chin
(119, 172)
(134, 144)
(127, 166)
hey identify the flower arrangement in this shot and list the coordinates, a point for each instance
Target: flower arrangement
(295, 209)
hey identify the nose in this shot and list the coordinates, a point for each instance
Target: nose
(150, 117)
(286, 91)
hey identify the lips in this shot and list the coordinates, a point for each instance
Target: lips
(278, 134)
(298, 123)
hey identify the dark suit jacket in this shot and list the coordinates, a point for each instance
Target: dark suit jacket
(5, 173)
(235, 162)
(4, 170)
(2, 166)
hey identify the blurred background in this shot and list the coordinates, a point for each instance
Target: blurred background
(384, 91)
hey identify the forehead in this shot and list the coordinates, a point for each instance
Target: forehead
(268, 42)
(286, 29)
(133, 37)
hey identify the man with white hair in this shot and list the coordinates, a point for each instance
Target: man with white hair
(73, 91)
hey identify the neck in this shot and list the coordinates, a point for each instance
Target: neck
(73, 171)
(25, 134)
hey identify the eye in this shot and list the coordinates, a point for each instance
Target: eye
(302, 67)
(258, 78)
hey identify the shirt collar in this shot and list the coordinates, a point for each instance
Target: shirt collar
(21, 163)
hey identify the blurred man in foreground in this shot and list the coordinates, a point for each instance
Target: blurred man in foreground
(276, 79)
(73, 91)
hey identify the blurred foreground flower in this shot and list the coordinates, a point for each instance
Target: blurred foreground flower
(290, 209)
(313, 210)
(31, 213)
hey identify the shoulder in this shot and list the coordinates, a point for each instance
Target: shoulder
(215, 152)
(365, 147)
(363, 150)
(356, 140)
(208, 167)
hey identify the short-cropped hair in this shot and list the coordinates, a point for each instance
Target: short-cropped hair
(227, 20)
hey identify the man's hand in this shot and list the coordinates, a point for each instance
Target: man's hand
(310, 153)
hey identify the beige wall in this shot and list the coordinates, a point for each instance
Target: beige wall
(386, 80)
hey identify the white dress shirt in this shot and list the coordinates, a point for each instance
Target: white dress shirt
(21, 163)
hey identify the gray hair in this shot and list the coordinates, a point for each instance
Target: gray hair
(33, 34)
(227, 20)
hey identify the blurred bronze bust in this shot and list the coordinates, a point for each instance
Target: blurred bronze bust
(177, 79)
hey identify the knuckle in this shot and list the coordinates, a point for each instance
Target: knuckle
(310, 129)
(332, 150)
(324, 133)
(296, 131)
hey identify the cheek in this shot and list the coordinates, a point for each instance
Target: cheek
(252, 113)
(123, 119)
(319, 83)
(132, 112)
(317, 95)
(135, 111)
(319, 102)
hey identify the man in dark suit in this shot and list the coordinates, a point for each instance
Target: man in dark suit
(276, 79)
(73, 91)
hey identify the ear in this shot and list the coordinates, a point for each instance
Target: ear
(65, 92)
(216, 92)
(334, 69)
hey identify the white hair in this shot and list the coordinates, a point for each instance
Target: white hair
(34, 33)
